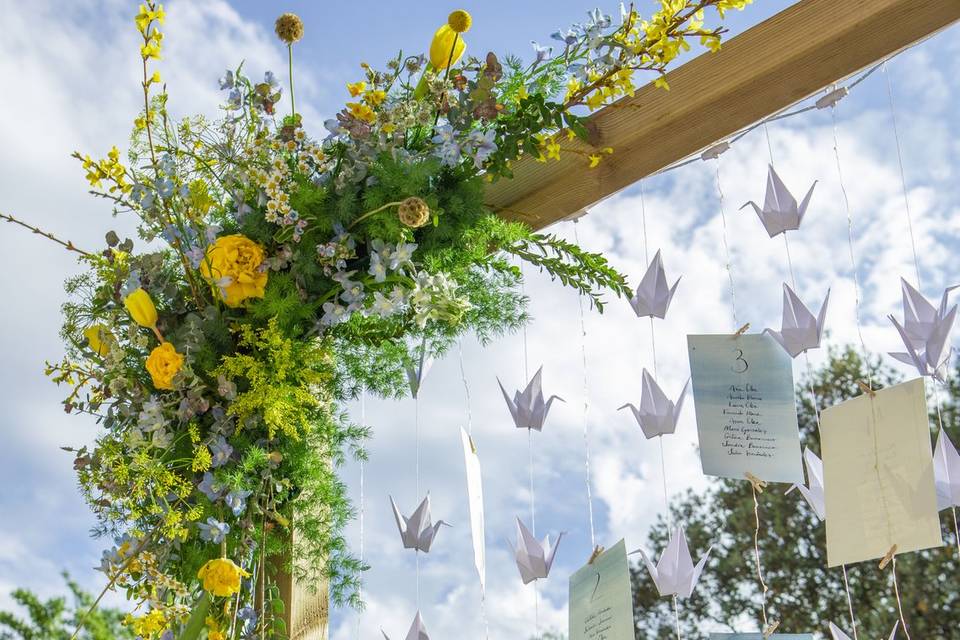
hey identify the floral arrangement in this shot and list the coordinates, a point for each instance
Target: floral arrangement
(283, 273)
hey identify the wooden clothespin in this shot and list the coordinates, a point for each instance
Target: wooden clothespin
(597, 550)
(771, 629)
(887, 558)
(473, 447)
(758, 484)
(742, 330)
(867, 389)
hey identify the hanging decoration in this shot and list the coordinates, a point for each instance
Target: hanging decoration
(418, 630)
(926, 333)
(418, 531)
(657, 415)
(528, 407)
(534, 558)
(838, 634)
(812, 492)
(800, 330)
(675, 573)
(653, 296)
(780, 212)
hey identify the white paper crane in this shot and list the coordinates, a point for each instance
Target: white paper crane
(418, 631)
(675, 573)
(840, 635)
(417, 371)
(780, 210)
(925, 332)
(653, 296)
(657, 414)
(528, 408)
(534, 558)
(799, 329)
(417, 532)
(813, 491)
(946, 473)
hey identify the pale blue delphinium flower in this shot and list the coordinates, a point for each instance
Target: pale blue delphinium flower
(382, 305)
(162, 439)
(271, 79)
(483, 145)
(213, 530)
(210, 488)
(226, 80)
(377, 269)
(236, 501)
(568, 37)
(164, 187)
(445, 134)
(402, 256)
(542, 53)
(234, 100)
(333, 313)
(220, 452)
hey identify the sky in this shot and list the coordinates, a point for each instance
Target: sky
(70, 72)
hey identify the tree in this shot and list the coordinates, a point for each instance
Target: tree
(803, 593)
(56, 618)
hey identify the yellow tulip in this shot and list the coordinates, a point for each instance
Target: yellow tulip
(446, 48)
(99, 339)
(141, 308)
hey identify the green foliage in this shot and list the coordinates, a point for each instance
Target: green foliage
(804, 594)
(56, 618)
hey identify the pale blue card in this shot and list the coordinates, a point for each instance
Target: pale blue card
(601, 604)
(759, 636)
(746, 413)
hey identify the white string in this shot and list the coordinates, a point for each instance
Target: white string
(903, 178)
(416, 404)
(726, 248)
(363, 423)
(533, 497)
(586, 406)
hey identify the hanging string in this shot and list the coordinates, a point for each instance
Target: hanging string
(756, 551)
(726, 247)
(936, 395)
(586, 406)
(896, 591)
(903, 178)
(416, 405)
(533, 497)
(363, 423)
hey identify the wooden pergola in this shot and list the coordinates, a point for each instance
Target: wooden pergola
(799, 51)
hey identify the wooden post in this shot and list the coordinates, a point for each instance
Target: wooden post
(306, 606)
(782, 60)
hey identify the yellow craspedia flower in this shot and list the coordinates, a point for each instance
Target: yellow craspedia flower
(163, 364)
(221, 577)
(233, 264)
(289, 27)
(460, 21)
(446, 48)
(141, 308)
(99, 338)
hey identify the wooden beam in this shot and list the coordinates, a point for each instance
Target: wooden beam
(780, 61)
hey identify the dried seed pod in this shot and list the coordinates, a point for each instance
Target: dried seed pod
(414, 212)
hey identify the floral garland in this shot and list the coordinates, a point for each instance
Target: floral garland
(297, 272)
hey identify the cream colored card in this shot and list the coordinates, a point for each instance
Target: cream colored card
(878, 475)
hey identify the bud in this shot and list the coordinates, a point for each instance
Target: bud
(99, 339)
(141, 308)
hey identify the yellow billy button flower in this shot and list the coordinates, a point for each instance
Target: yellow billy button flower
(460, 21)
(142, 310)
(163, 364)
(221, 577)
(99, 338)
(232, 263)
(446, 48)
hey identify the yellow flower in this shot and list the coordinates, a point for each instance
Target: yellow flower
(553, 149)
(661, 83)
(374, 97)
(361, 111)
(460, 21)
(446, 48)
(221, 577)
(388, 128)
(356, 88)
(163, 364)
(148, 625)
(289, 28)
(233, 264)
(99, 338)
(141, 308)
(594, 160)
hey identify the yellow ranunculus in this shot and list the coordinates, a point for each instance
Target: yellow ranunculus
(99, 338)
(141, 308)
(445, 41)
(221, 577)
(163, 364)
(233, 264)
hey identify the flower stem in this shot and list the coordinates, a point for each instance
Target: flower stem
(46, 234)
(293, 109)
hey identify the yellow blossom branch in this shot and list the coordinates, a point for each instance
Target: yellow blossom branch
(46, 234)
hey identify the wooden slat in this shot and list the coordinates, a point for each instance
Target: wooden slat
(759, 72)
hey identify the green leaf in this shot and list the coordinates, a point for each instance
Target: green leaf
(197, 620)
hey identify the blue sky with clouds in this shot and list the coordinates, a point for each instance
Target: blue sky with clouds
(70, 70)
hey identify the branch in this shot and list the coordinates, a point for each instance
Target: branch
(66, 243)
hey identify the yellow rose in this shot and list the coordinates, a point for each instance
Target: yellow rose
(233, 264)
(221, 577)
(446, 40)
(164, 363)
(99, 338)
(141, 308)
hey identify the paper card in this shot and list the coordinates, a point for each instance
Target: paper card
(601, 603)
(475, 502)
(759, 636)
(878, 475)
(746, 414)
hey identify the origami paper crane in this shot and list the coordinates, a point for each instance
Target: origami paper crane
(675, 573)
(925, 332)
(528, 408)
(813, 491)
(840, 635)
(417, 371)
(946, 473)
(780, 211)
(534, 558)
(799, 329)
(418, 631)
(657, 414)
(653, 297)
(417, 532)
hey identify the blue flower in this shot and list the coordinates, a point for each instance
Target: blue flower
(164, 187)
(449, 154)
(333, 313)
(213, 530)
(234, 100)
(402, 256)
(445, 134)
(377, 269)
(568, 38)
(237, 501)
(209, 487)
(483, 145)
(270, 79)
(220, 452)
(543, 53)
(226, 80)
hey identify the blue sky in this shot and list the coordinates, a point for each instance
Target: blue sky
(73, 71)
